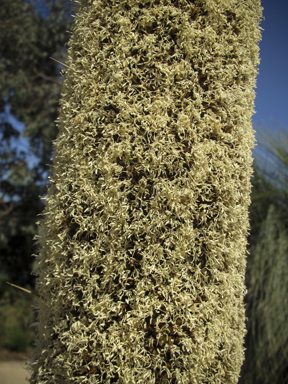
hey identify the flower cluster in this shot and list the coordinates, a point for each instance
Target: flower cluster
(142, 249)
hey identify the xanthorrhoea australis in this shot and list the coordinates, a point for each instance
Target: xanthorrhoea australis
(142, 252)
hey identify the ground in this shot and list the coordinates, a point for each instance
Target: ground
(12, 367)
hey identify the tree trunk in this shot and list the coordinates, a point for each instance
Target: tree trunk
(143, 241)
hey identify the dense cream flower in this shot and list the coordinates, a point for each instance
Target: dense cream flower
(142, 252)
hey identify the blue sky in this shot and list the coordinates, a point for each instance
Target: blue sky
(271, 101)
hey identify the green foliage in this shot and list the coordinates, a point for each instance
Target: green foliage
(30, 79)
(30, 86)
(17, 231)
(16, 317)
(266, 277)
(17, 340)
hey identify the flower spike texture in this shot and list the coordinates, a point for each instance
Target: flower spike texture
(142, 247)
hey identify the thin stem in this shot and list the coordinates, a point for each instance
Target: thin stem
(23, 289)
(62, 64)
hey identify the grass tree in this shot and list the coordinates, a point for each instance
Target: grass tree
(143, 240)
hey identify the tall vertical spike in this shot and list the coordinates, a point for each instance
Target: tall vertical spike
(142, 251)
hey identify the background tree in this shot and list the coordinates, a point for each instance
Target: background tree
(30, 32)
(30, 89)
(142, 250)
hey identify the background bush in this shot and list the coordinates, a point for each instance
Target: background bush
(16, 317)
